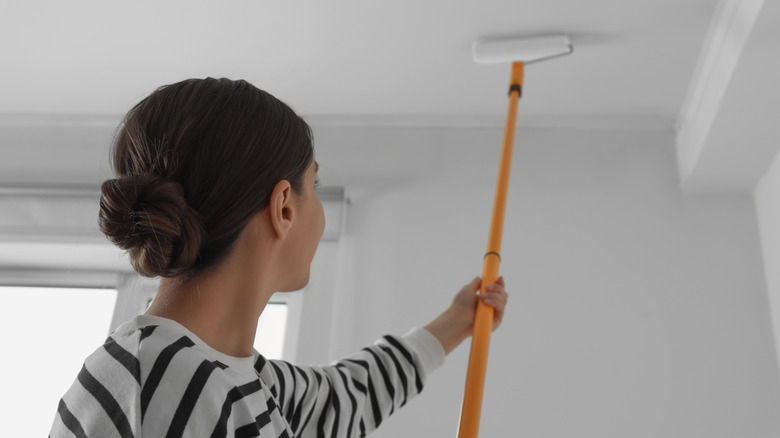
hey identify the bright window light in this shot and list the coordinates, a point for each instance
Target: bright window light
(46, 334)
(269, 339)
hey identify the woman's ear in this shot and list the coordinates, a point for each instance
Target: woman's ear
(280, 209)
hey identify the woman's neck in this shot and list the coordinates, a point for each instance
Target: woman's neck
(221, 308)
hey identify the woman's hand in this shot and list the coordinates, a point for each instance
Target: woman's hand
(457, 322)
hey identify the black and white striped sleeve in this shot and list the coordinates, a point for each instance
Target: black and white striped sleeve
(352, 397)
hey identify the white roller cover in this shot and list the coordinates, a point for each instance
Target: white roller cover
(527, 50)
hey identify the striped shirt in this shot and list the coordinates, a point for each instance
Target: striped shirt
(155, 378)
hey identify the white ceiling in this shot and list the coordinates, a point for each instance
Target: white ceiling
(399, 60)
(365, 71)
(70, 70)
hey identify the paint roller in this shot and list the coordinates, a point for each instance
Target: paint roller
(519, 52)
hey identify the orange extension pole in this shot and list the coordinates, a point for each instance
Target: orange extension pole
(483, 322)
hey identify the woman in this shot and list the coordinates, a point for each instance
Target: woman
(215, 193)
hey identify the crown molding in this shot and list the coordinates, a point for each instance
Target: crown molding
(728, 34)
(60, 120)
(618, 121)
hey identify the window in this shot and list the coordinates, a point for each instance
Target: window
(269, 339)
(46, 334)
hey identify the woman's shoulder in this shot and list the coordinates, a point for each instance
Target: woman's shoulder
(146, 350)
(144, 373)
(132, 343)
(159, 344)
(119, 354)
(106, 390)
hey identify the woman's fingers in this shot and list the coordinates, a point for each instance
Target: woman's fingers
(496, 300)
(496, 297)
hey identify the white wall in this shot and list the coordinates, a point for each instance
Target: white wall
(635, 311)
(767, 195)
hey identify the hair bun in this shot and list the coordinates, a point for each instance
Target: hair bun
(149, 216)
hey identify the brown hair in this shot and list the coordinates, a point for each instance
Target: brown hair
(194, 162)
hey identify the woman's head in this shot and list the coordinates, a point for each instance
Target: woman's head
(194, 162)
